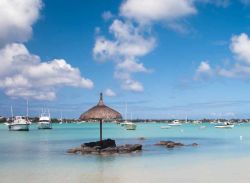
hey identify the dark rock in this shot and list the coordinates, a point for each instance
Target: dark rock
(110, 150)
(194, 144)
(141, 138)
(89, 148)
(129, 148)
(105, 143)
(170, 144)
(75, 150)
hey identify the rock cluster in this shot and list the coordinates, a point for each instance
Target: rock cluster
(141, 138)
(171, 144)
(108, 147)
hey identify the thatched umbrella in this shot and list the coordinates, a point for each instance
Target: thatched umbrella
(101, 112)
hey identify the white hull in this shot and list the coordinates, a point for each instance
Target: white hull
(174, 124)
(44, 125)
(130, 126)
(224, 126)
(18, 127)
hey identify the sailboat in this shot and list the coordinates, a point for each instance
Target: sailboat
(45, 120)
(61, 119)
(19, 123)
(129, 125)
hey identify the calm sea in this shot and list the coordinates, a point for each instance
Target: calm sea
(40, 155)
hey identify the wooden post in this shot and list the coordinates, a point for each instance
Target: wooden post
(101, 132)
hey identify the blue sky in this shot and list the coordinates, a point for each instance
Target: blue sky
(165, 59)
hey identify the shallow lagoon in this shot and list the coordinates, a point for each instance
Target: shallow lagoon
(39, 155)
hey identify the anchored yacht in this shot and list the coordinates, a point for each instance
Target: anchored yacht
(45, 121)
(175, 123)
(20, 123)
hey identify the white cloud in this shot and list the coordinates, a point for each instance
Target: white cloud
(131, 66)
(16, 19)
(160, 10)
(132, 37)
(132, 85)
(25, 75)
(240, 46)
(128, 44)
(110, 93)
(204, 71)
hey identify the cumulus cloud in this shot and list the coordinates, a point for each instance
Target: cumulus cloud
(23, 74)
(240, 47)
(110, 93)
(127, 45)
(132, 37)
(128, 42)
(16, 19)
(160, 10)
(204, 71)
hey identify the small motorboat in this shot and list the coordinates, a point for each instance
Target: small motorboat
(225, 125)
(175, 123)
(45, 121)
(128, 125)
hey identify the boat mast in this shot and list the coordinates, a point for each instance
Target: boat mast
(126, 110)
(11, 110)
(61, 116)
(27, 109)
(49, 113)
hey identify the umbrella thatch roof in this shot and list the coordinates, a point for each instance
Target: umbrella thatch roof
(100, 112)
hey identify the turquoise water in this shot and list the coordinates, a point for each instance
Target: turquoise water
(40, 152)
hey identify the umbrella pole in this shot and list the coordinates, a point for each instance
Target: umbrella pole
(101, 132)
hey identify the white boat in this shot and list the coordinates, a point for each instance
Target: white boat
(165, 127)
(197, 122)
(175, 123)
(61, 119)
(129, 125)
(225, 125)
(45, 121)
(20, 123)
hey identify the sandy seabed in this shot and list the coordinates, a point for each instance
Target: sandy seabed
(209, 171)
